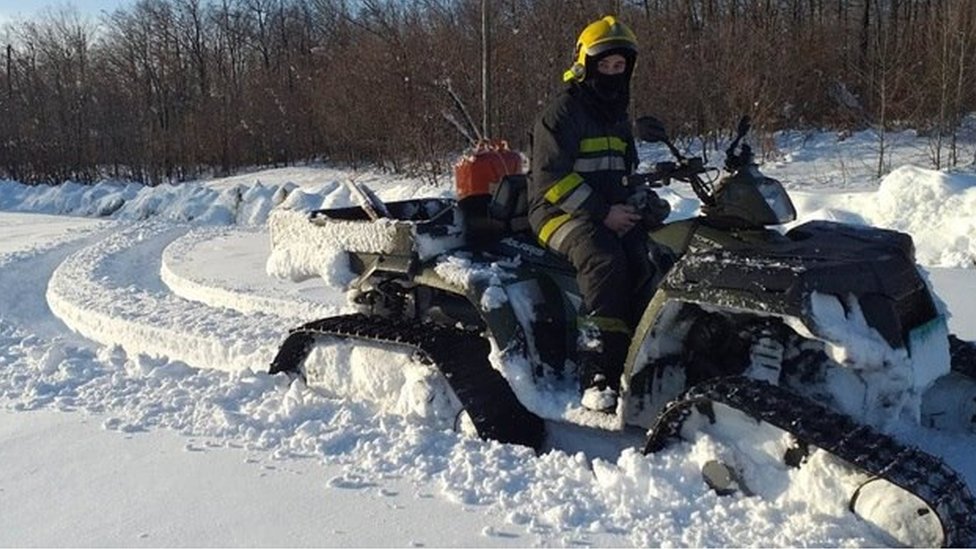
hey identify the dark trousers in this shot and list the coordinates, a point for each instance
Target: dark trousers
(616, 280)
(614, 273)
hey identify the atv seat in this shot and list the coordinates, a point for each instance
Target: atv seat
(499, 223)
(504, 212)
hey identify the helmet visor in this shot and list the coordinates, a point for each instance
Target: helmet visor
(626, 48)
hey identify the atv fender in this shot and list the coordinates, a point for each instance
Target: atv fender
(517, 311)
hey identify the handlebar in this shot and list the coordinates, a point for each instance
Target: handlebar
(664, 172)
(689, 169)
(685, 169)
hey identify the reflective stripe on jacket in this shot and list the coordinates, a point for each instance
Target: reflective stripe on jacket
(579, 158)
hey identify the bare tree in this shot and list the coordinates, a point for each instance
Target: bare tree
(165, 90)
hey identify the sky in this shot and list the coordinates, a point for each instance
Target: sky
(12, 10)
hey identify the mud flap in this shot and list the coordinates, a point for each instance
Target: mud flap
(962, 355)
(292, 352)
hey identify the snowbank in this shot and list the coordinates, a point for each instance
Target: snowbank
(244, 199)
(937, 208)
(194, 202)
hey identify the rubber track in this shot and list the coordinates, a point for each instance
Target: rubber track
(876, 454)
(963, 355)
(461, 356)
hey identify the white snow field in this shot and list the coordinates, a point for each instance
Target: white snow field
(137, 324)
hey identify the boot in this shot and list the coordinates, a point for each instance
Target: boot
(597, 394)
(600, 369)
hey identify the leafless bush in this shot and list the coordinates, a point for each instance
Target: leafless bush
(167, 90)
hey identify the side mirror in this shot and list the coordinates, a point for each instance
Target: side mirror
(651, 130)
(745, 123)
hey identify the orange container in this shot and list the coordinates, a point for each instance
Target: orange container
(484, 166)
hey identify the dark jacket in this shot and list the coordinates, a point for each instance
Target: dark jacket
(580, 154)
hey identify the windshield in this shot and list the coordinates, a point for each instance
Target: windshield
(776, 198)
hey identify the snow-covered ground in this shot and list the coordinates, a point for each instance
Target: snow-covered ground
(136, 326)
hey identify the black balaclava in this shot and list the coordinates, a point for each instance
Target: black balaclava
(611, 91)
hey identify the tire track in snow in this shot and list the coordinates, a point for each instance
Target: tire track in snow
(185, 257)
(26, 266)
(111, 292)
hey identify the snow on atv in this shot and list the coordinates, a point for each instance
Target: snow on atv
(786, 347)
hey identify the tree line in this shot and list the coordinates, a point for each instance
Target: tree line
(169, 90)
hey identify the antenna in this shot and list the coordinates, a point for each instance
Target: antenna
(485, 70)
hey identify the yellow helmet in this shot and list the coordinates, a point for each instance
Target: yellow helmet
(599, 37)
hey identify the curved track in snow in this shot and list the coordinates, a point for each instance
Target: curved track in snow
(244, 287)
(27, 260)
(112, 293)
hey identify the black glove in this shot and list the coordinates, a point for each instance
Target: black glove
(652, 208)
(655, 210)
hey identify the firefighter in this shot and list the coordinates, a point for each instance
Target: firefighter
(582, 147)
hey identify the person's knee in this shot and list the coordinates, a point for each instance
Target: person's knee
(595, 247)
(611, 261)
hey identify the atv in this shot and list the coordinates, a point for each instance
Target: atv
(787, 344)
